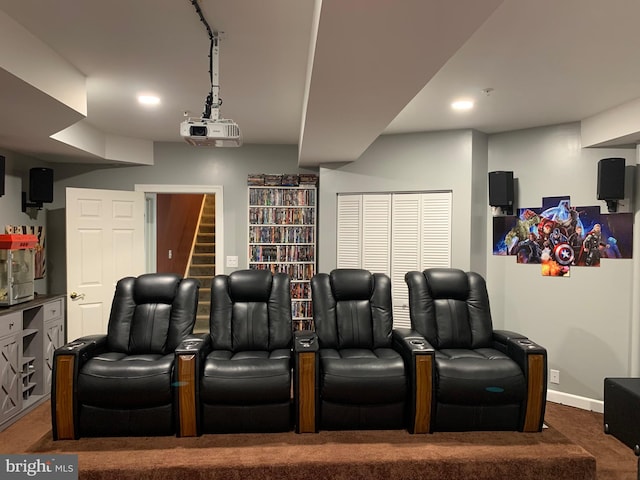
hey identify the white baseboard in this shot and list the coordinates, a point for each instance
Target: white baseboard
(575, 401)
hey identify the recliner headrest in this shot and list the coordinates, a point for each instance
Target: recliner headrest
(250, 285)
(447, 283)
(351, 284)
(156, 288)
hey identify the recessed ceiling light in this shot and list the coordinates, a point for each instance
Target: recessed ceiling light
(148, 99)
(462, 105)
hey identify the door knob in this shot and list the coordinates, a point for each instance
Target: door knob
(76, 296)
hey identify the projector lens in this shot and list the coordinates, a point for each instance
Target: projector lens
(198, 131)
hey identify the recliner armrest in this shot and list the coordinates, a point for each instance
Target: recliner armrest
(190, 355)
(409, 342)
(199, 343)
(67, 361)
(83, 348)
(305, 341)
(516, 346)
(306, 367)
(418, 355)
(532, 359)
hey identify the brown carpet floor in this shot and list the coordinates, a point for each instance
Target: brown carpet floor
(350, 455)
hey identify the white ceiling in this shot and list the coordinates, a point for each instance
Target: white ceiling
(327, 75)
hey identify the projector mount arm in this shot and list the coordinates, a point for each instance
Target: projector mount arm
(213, 101)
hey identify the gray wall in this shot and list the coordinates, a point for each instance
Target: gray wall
(16, 181)
(584, 321)
(182, 164)
(400, 163)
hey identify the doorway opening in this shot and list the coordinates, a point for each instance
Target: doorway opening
(184, 235)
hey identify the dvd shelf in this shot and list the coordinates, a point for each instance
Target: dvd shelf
(282, 239)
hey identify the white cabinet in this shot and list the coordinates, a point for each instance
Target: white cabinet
(282, 238)
(29, 334)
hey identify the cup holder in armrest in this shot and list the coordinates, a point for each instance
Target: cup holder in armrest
(526, 343)
(417, 343)
(74, 345)
(306, 342)
(191, 344)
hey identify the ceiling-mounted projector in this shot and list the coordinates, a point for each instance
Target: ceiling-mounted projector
(211, 130)
(206, 132)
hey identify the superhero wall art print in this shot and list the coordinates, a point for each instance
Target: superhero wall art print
(559, 236)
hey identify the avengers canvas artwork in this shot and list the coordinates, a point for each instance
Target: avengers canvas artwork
(559, 236)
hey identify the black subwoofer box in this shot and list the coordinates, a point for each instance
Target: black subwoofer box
(622, 410)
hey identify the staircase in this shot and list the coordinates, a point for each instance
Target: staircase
(202, 262)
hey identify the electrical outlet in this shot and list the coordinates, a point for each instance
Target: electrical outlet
(232, 261)
(554, 376)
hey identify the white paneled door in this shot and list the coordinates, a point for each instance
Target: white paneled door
(105, 242)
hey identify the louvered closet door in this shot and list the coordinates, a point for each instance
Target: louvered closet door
(393, 234)
(420, 238)
(376, 233)
(405, 251)
(435, 225)
(349, 231)
(364, 232)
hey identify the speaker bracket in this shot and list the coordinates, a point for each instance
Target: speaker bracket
(612, 205)
(501, 210)
(26, 204)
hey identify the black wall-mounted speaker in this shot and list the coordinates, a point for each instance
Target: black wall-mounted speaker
(41, 185)
(611, 179)
(501, 189)
(2, 171)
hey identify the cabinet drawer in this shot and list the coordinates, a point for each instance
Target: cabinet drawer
(52, 310)
(10, 323)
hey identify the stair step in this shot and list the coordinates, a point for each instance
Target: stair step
(205, 237)
(202, 324)
(203, 259)
(205, 248)
(205, 282)
(204, 308)
(202, 270)
(207, 228)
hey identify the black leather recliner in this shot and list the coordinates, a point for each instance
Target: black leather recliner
(483, 379)
(237, 377)
(359, 373)
(122, 383)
